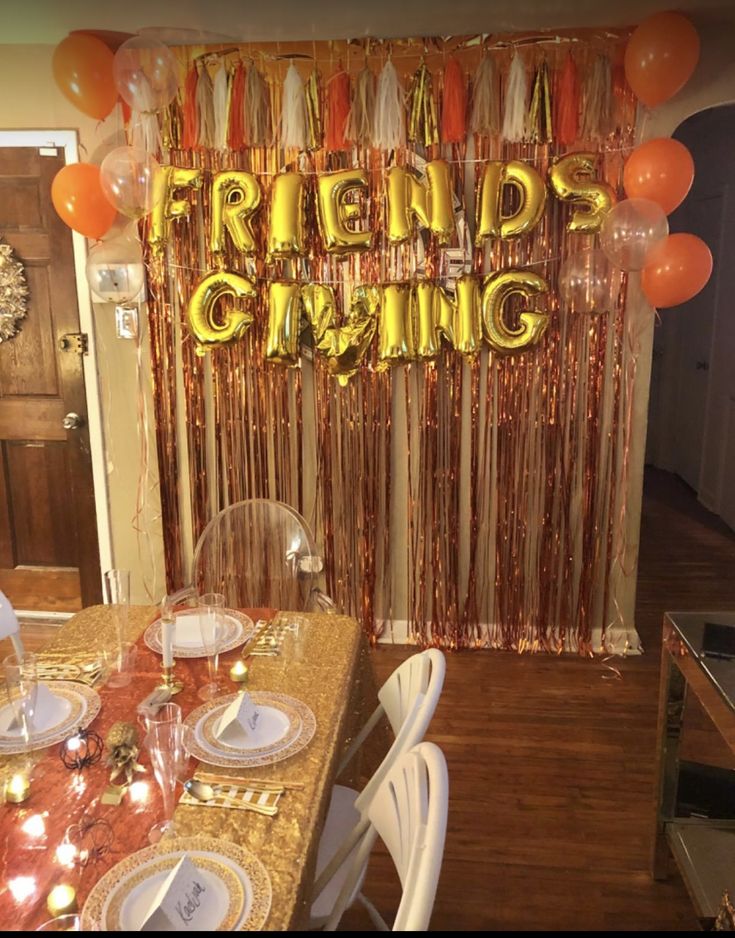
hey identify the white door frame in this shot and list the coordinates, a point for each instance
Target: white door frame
(67, 141)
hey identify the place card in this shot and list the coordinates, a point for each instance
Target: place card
(182, 901)
(239, 723)
(44, 712)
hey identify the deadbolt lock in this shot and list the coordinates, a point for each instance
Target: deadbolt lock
(74, 342)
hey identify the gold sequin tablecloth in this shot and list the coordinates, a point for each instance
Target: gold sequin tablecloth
(328, 668)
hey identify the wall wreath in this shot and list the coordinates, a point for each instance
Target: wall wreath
(13, 293)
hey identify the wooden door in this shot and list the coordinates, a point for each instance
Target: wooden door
(49, 555)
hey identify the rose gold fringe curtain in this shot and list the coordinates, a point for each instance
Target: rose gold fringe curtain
(479, 502)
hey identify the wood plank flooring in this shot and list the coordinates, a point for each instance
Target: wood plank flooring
(551, 765)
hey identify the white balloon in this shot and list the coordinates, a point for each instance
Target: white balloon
(631, 230)
(115, 270)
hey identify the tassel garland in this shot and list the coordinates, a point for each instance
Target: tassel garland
(389, 125)
(516, 94)
(484, 115)
(190, 128)
(566, 127)
(597, 110)
(337, 110)
(205, 110)
(313, 112)
(422, 124)
(293, 111)
(361, 117)
(220, 106)
(454, 103)
(236, 124)
(539, 112)
(256, 110)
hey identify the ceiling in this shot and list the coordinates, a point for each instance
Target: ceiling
(181, 21)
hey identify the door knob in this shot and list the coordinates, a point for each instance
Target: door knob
(702, 366)
(72, 421)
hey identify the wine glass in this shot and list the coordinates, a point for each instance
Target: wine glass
(117, 593)
(167, 713)
(167, 744)
(211, 624)
(21, 684)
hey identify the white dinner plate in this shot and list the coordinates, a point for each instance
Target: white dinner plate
(188, 637)
(83, 705)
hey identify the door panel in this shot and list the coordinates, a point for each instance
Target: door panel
(49, 557)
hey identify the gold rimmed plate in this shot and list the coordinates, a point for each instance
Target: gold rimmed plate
(240, 883)
(300, 720)
(187, 639)
(80, 705)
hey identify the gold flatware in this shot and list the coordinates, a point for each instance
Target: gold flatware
(204, 792)
(255, 638)
(244, 782)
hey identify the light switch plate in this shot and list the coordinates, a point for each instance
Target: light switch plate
(126, 322)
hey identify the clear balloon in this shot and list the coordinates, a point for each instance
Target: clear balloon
(127, 175)
(146, 74)
(631, 230)
(588, 283)
(115, 271)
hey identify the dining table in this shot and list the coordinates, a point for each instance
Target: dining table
(327, 667)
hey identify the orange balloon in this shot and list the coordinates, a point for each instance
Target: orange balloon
(79, 200)
(678, 269)
(82, 67)
(661, 170)
(660, 57)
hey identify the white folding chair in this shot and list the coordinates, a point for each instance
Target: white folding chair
(408, 698)
(409, 814)
(9, 627)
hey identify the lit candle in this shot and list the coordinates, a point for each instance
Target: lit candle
(17, 789)
(167, 642)
(61, 900)
(239, 672)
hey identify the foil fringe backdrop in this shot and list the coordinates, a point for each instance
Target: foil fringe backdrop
(480, 502)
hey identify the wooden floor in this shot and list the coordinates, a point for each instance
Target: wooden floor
(551, 764)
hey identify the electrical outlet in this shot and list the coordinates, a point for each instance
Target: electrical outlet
(126, 322)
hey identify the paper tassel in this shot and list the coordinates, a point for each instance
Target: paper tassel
(389, 124)
(484, 115)
(205, 110)
(337, 110)
(189, 134)
(539, 113)
(454, 103)
(422, 124)
(566, 101)
(597, 101)
(220, 106)
(516, 95)
(293, 111)
(313, 112)
(236, 125)
(362, 111)
(257, 110)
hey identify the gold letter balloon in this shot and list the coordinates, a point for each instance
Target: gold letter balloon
(208, 328)
(492, 221)
(428, 203)
(235, 199)
(286, 232)
(572, 178)
(335, 211)
(497, 289)
(168, 180)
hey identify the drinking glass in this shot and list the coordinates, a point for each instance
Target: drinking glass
(21, 684)
(211, 624)
(167, 746)
(119, 661)
(117, 594)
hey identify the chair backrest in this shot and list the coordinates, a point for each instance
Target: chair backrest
(409, 814)
(258, 553)
(412, 691)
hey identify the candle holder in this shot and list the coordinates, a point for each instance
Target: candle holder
(17, 788)
(81, 750)
(168, 680)
(239, 672)
(62, 900)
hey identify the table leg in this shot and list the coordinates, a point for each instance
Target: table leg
(672, 699)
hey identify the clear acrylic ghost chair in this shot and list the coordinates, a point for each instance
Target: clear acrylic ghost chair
(260, 553)
(409, 814)
(408, 698)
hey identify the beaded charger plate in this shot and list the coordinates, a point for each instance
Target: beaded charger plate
(240, 883)
(207, 748)
(238, 628)
(81, 705)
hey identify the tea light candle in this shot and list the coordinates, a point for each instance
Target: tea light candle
(239, 672)
(62, 899)
(17, 788)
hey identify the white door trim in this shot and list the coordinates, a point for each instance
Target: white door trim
(67, 141)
